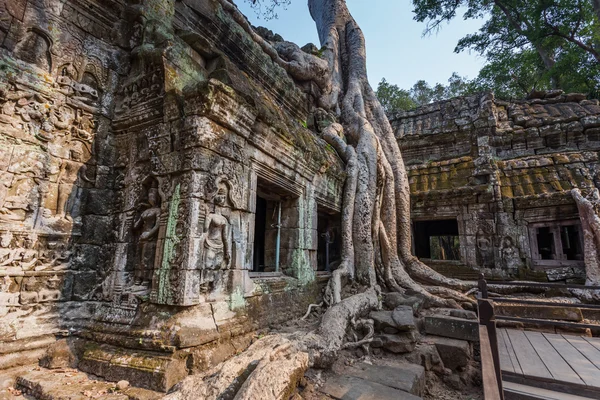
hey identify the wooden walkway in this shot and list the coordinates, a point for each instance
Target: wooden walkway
(570, 364)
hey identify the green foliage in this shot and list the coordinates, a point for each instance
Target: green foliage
(533, 44)
(394, 99)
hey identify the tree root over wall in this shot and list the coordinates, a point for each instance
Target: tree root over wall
(376, 239)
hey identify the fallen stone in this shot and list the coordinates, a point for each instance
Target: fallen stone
(539, 312)
(427, 356)
(397, 343)
(382, 320)
(451, 327)
(393, 300)
(404, 319)
(390, 331)
(56, 384)
(122, 385)
(454, 353)
(465, 314)
(350, 387)
(454, 381)
(407, 377)
(150, 370)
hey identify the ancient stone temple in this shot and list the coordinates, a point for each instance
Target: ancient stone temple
(161, 197)
(491, 183)
(164, 195)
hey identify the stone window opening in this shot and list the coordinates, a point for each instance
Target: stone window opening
(275, 229)
(329, 249)
(556, 243)
(437, 240)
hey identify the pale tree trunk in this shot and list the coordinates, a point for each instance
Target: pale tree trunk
(590, 224)
(376, 215)
(376, 237)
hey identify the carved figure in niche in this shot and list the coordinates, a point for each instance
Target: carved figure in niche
(215, 241)
(28, 255)
(67, 178)
(35, 48)
(137, 32)
(51, 292)
(22, 197)
(56, 258)
(6, 297)
(29, 294)
(510, 255)
(148, 222)
(7, 255)
(484, 250)
(62, 117)
(85, 126)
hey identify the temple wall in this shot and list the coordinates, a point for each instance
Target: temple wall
(502, 170)
(135, 143)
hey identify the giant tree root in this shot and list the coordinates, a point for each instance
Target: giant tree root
(268, 370)
(271, 367)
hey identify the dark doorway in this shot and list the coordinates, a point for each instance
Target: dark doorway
(571, 242)
(329, 247)
(258, 263)
(437, 240)
(545, 242)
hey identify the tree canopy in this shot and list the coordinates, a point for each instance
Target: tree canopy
(394, 99)
(533, 44)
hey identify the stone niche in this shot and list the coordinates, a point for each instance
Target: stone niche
(141, 154)
(503, 171)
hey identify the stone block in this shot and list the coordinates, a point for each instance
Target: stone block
(426, 355)
(399, 343)
(407, 377)
(195, 326)
(451, 327)
(349, 387)
(454, 353)
(64, 353)
(393, 300)
(403, 318)
(150, 370)
(382, 320)
(464, 314)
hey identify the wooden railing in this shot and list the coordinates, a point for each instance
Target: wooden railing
(491, 371)
(490, 358)
(483, 287)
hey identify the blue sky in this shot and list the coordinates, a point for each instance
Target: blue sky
(396, 49)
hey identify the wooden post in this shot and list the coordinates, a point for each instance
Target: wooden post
(488, 319)
(482, 284)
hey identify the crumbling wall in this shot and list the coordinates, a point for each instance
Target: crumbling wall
(133, 137)
(501, 169)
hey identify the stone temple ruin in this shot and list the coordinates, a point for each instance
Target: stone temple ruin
(163, 194)
(491, 183)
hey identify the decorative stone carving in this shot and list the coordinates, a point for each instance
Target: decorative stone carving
(7, 298)
(147, 223)
(510, 255)
(216, 237)
(51, 292)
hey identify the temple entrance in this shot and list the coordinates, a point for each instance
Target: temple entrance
(258, 263)
(437, 240)
(329, 247)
